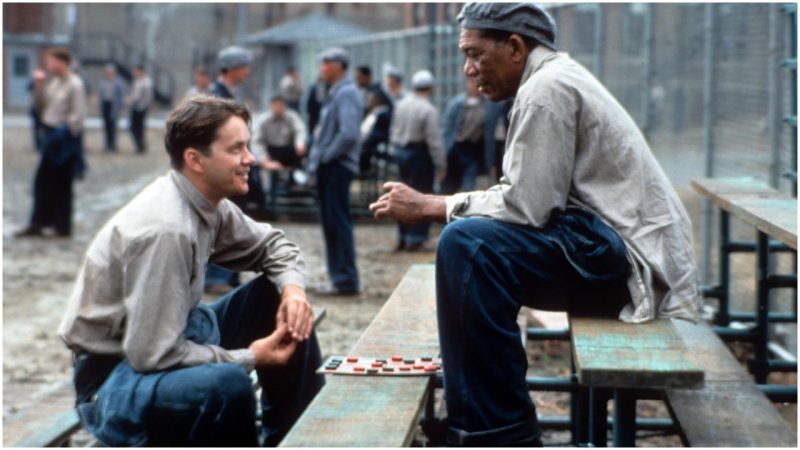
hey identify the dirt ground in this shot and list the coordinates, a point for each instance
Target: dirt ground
(38, 275)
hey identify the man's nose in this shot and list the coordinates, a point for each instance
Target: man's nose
(469, 69)
(249, 157)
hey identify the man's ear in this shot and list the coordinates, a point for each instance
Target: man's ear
(192, 160)
(517, 48)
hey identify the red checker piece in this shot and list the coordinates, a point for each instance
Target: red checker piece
(377, 364)
(405, 368)
(397, 358)
(352, 359)
(359, 369)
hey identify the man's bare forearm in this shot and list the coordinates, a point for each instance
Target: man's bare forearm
(434, 208)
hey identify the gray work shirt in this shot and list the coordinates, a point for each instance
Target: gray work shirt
(570, 142)
(62, 102)
(144, 273)
(416, 121)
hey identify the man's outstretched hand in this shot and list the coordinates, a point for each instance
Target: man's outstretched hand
(295, 313)
(407, 206)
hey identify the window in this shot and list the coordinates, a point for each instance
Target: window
(21, 66)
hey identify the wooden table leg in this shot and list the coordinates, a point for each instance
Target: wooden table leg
(624, 418)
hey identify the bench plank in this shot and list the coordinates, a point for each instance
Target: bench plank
(47, 422)
(730, 410)
(378, 411)
(763, 207)
(611, 353)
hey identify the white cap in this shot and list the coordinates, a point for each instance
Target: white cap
(422, 79)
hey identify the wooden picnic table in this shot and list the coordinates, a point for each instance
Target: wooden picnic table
(363, 411)
(767, 209)
(774, 216)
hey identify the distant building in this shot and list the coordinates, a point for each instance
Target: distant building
(27, 28)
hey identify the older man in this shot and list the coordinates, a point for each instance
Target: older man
(156, 366)
(584, 219)
(334, 160)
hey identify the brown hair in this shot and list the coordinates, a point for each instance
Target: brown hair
(194, 123)
(60, 53)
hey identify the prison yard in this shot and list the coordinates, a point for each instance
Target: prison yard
(39, 274)
(711, 89)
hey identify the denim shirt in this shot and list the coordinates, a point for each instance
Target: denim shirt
(570, 142)
(339, 131)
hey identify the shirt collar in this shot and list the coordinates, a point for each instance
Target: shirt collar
(536, 60)
(202, 206)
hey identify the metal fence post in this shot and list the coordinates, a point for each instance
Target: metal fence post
(599, 41)
(648, 67)
(709, 115)
(774, 93)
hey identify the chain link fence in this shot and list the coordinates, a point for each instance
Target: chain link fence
(706, 83)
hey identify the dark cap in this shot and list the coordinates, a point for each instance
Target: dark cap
(525, 19)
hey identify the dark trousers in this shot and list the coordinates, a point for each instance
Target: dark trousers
(209, 404)
(137, 129)
(39, 130)
(110, 125)
(485, 271)
(463, 162)
(287, 156)
(417, 171)
(52, 196)
(333, 190)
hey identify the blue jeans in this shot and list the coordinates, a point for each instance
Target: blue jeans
(219, 275)
(333, 190)
(209, 404)
(485, 271)
(463, 162)
(417, 171)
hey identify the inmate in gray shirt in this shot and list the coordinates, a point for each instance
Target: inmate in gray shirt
(144, 273)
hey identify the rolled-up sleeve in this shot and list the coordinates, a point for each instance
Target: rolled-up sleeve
(538, 168)
(157, 307)
(244, 244)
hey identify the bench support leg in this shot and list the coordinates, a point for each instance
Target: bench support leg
(598, 398)
(624, 418)
(759, 364)
(722, 317)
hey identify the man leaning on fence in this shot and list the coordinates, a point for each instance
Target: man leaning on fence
(584, 220)
(156, 366)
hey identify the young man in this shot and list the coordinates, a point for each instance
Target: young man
(334, 160)
(141, 97)
(584, 219)
(234, 64)
(417, 140)
(153, 364)
(61, 103)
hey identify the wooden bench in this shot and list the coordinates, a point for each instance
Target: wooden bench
(378, 411)
(617, 359)
(712, 400)
(774, 216)
(52, 422)
(729, 411)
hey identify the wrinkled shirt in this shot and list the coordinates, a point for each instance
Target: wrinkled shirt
(62, 102)
(416, 121)
(144, 273)
(570, 142)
